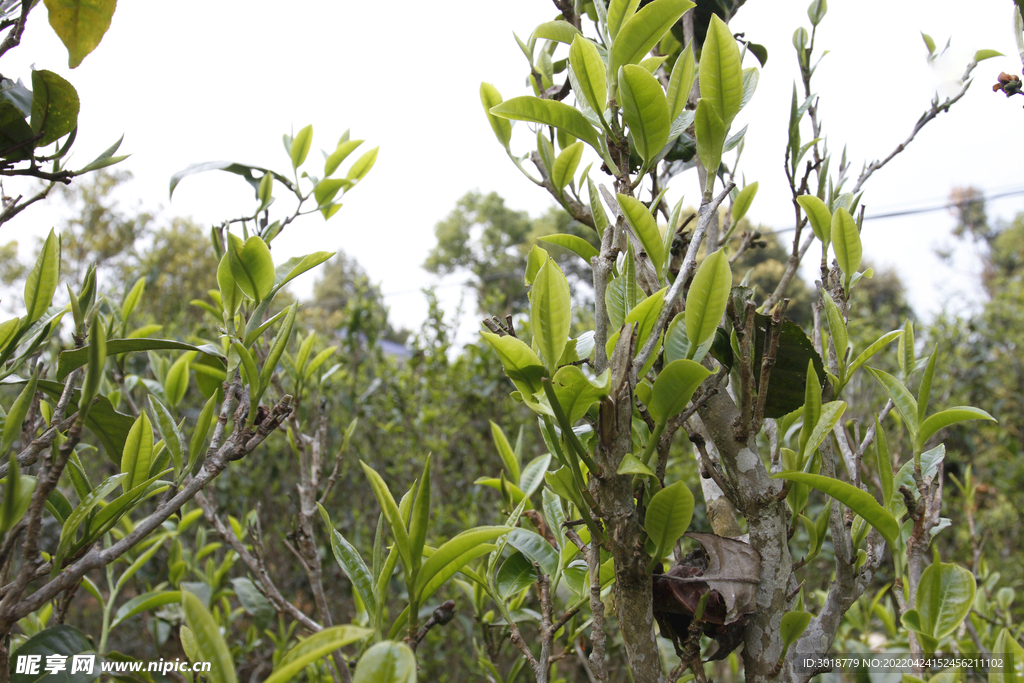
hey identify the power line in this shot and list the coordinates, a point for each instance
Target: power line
(874, 217)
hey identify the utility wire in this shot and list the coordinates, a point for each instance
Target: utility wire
(873, 217)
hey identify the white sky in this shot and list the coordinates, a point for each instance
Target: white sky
(208, 80)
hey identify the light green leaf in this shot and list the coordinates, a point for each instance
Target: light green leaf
(278, 346)
(818, 215)
(210, 645)
(352, 564)
(816, 11)
(386, 662)
(674, 387)
(837, 328)
(550, 316)
(131, 300)
(982, 55)
(596, 209)
(707, 299)
(905, 350)
(668, 516)
(42, 280)
(252, 267)
(639, 216)
(901, 397)
(576, 392)
(743, 201)
(202, 429)
(560, 31)
(533, 474)
(585, 60)
(533, 546)
(315, 647)
(945, 595)
(830, 414)
(490, 97)
(645, 110)
(924, 392)
(521, 364)
(793, 626)
(710, 132)
(508, 456)
(945, 418)
(641, 32)
(854, 498)
(721, 74)
(619, 12)
(176, 382)
(391, 514)
(867, 353)
(169, 432)
(453, 551)
(362, 165)
(340, 154)
(15, 417)
(846, 242)
(579, 246)
(18, 490)
(645, 315)
(300, 146)
(419, 516)
(138, 453)
(144, 603)
(632, 465)
(551, 113)
(294, 267)
(80, 25)
(566, 164)
(681, 82)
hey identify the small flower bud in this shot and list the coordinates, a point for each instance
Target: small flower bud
(445, 613)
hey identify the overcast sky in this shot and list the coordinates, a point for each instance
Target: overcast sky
(204, 80)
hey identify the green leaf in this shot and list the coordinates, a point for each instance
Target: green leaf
(316, 646)
(945, 418)
(80, 25)
(144, 603)
(42, 280)
(587, 65)
(538, 550)
(550, 317)
(641, 32)
(199, 434)
(707, 299)
(533, 474)
(867, 353)
(680, 82)
(420, 516)
(176, 382)
(818, 215)
(710, 132)
(363, 165)
(17, 495)
(721, 74)
(837, 328)
(278, 346)
(793, 626)
(453, 568)
(508, 456)
(900, 396)
(830, 414)
(619, 12)
(490, 97)
(646, 228)
(551, 113)
(339, 155)
(386, 662)
(645, 315)
(168, 430)
(15, 417)
(674, 387)
(515, 575)
(668, 516)
(743, 201)
(924, 391)
(300, 146)
(883, 463)
(632, 465)
(294, 267)
(905, 350)
(391, 514)
(70, 360)
(210, 645)
(577, 393)
(596, 210)
(846, 242)
(327, 189)
(106, 158)
(945, 595)
(138, 453)
(816, 11)
(352, 564)
(54, 107)
(562, 484)
(453, 551)
(982, 55)
(579, 246)
(645, 110)
(566, 164)
(251, 266)
(521, 364)
(854, 498)
(560, 31)
(132, 298)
